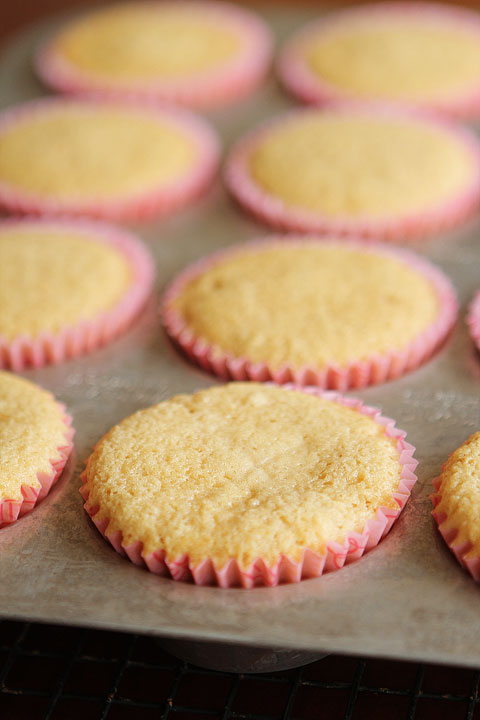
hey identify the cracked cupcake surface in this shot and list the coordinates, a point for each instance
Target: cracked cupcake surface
(242, 471)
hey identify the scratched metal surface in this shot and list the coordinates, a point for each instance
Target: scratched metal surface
(406, 599)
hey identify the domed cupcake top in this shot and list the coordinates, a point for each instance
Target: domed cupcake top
(457, 504)
(106, 159)
(66, 287)
(411, 54)
(55, 276)
(242, 471)
(360, 171)
(294, 309)
(35, 442)
(193, 53)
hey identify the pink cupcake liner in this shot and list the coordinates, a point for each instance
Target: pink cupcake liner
(236, 79)
(473, 319)
(133, 207)
(402, 228)
(10, 509)
(356, 374)
(74, 340)
(449, 534)
(308, 87)
(285, 570)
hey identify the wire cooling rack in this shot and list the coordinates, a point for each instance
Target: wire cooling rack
(58, 673)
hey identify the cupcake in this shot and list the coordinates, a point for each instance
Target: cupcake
(456, 504)
(353, 171)
(195, 53)
(337, 314)
(103, 159)
(411, 54)
(473, 319)
(35, 442)
(248, 484)
(66, 287)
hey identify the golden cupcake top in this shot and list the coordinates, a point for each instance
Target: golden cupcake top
(94, 151)
(149, 41)
(31, 431)
(53, 277)
(310, 304)
(360, 165)
(460, 494)
(396, 52)
(242, 470)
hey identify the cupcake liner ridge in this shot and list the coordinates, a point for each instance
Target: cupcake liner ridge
(356, 374)
(272, 211)
(10, 509)
(71, 341)
(311, 88)
(140, 206)
(450, 534)
(312, 564)
(200, 90)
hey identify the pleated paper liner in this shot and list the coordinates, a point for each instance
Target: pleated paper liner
(357, 373)
(310, 87)
(73, 340)
(461, 550)
(139, 206)
(12, 509)
(400, 228)
(285, 570)
(234, 80)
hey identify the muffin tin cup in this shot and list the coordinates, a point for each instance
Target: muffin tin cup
(473, 319)
(73, 340)
(461, 550)
(285, 570)
(397, 229)
(356, 374)
(132, 207)
(201, 90)
(310, 88)
(10, 509)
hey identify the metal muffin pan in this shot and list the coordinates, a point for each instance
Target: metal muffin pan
(407, 599)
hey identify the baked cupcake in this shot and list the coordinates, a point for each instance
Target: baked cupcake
(473, 319)
(410, 54)
(66, 287)
(337, 314)
(248, 484)
(103, 159)
(195, 53)
(457, 504)
(357, 171)
(35, 442)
